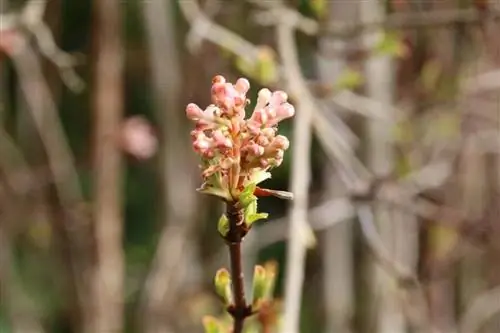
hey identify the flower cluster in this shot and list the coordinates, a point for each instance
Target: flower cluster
(236, 151)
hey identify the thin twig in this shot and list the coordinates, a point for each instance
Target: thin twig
(240, 310)
(30, 19)
(169, 269)
(405, 278)
(413, 20)
(300, 177)
(482, 308)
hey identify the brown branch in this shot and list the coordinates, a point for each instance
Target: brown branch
(108, 275)
(424, 19)
(61, 163)
(167, 278)
(240, 310)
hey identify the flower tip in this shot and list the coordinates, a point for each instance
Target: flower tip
(242, 85)
(193, 111)
(264, 94)
(218, 79)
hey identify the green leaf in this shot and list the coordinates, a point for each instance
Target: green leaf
(222, 283)
(264, 69)
(223, 225)
(259, 286)
(212, 325)
(252, 218)
(246, 196)
(349, 79)
(251, 214)
(319, 7)
(215, 191)
(271, 275)
(391, 44)
(259, 176)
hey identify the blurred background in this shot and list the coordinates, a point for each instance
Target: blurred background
(393, 163)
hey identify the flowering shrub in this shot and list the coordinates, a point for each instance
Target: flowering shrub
(235, 151)
(236, 154)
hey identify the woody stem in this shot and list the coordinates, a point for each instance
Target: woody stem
(239, 310)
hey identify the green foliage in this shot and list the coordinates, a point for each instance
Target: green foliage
(264, 69)
(391, 44)
(212, 325)
(319, 7)
(223, 225)
(222, 283)
(349, 79)
(264, 280)
(246, 196)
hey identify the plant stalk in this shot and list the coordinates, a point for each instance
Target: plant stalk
(240, 310)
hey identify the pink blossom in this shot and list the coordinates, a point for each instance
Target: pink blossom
(224, 138)
(137, 138)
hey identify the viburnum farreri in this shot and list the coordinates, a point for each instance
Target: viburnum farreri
(237, 154)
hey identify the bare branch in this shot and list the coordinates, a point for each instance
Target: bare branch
(30, 19)
(483, 308)
(404, 276)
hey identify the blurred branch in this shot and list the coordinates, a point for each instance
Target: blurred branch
(300, 177)
(170, 269)
(62, 168)
(423, 19)
(404, 277)
(108, 99)
(483, 308)
(206, 29)
(18, 304)
(30, 19)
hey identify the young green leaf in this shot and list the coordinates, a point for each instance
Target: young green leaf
(223, 225)
(259, 286)
(252, 218)
(222, 283)
(211, 325)
(246, 197)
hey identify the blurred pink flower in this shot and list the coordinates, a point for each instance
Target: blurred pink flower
(137, 138)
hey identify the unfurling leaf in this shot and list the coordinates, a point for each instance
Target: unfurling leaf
(264, 280)
(223, 225)
(223, 286)
(250, 219)
(215, 191)
(251, 214)
(246, 196)
(259, 286)
(212, 325)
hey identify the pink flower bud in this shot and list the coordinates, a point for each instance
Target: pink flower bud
(268, 132)
(263, 98)
(259, 116)
(220, 140)
(218, 79)
(278, 98)
(254, 149)
(242, 86)
(284, 111)
(194, 112)
(281, 142)
(261, 140)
